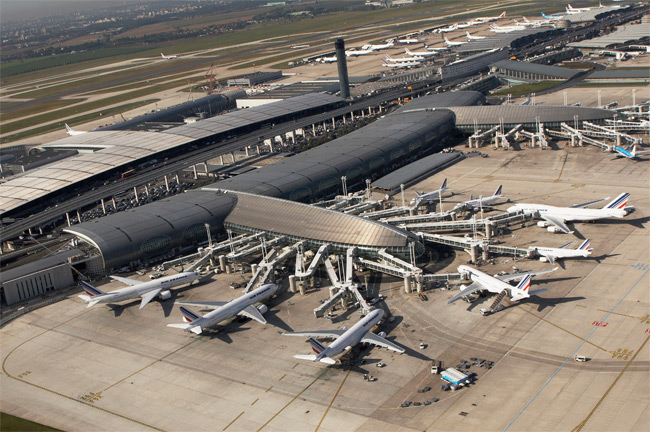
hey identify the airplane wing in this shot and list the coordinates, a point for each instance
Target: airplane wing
(374, 339)
(566, 245)
(205, 305)
(549, 257)
(148, 296)
(332, 334)
(253, 313)
(518, 276)
(127, 281)
(558, 222)
(475, 286)
(587, 204)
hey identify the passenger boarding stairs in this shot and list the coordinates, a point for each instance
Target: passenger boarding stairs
(497, 301)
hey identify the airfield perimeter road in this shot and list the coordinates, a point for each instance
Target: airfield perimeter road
(120, 368)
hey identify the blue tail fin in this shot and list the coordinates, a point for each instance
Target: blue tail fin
(91, 290)
(188, 315)
(316, 346)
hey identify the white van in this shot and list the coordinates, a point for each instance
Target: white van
(580, 358)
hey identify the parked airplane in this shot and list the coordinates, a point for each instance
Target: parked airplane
(505, 29)
(147, 290)
(356, 53)
(435, 49)
(470, 37)
(452, 44)
(327, 59)
(72, 132)
(571, 10)
(403, 59)
(167, 57)
(496, 284)
(244, 306)
(379, 47)
(421, 197)
(555, 218)
(345, 339)
(481, 202)
(465, 25)
(551, 254)
(552, 17)
(402, 65)
(451, 28)
(408, 41)
(419, 53)
(627, 152)
(481, 20)
(534, 23)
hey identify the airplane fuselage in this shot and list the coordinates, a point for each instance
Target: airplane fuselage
(136, 291)
(233, 307)
(490, 283)
(352, 336)
(562, 253)
(478, 202)
(568, 213)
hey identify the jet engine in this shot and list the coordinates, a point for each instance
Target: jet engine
(165, 295)
(382, 334)
(542, 224)
(262, 309)
(554, 229)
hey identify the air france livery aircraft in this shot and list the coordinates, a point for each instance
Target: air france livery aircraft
(146, 290)
(451, 43)
(481, 202)
(345, 339)
(496, 284)
(481, 20)
(170, 57)
(551, 254)
(558, 216)
(421, 197)
(73, 132)
(470, 37)
(243, 306)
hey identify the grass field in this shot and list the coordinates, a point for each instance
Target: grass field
(526, 89)
(16, 424)
(45, 106)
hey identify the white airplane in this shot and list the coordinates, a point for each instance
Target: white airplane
(244, 306)
(481, 20)
(451, 28)
(552, 17)
(555, 218)
(146, 290)
(420, 54)
(534, 23)
(401, 65)
(470, 37)
(551, 254)
(465, 25)
(496, 284)
(408, 41)
(481, 202)
(327, 59)
(571, 10)
(167, 57)
(505, 29)
(73, 132)
(379, 47)
(435, 49)
(345, 339)
(628, 153)
(421, 197)
(403, 59)
(452, 44)
(356, 53)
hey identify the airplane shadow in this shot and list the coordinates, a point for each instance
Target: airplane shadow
(543, 302)
(638, 222)
(273, 319)
(599, 258)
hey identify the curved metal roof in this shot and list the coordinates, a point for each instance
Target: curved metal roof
(527, 115)
(312, 223)
(536, 68)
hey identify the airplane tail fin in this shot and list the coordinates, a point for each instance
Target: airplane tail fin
(619, 202)
(313, 357)
(444, 185)
(525, 19)
(316, 346)
(503, 15)
(68, 128)
(89, 300)
(498, 191)
(585, 245)
(521, 290)
(468, 35)
(446, 40)
(188, 315)
(91, 290)
(185, 326)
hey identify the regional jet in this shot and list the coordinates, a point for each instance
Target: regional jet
(470, 37)
(361, 332)
(327, 59)
(408, 41)
(73, 132)
(389, 44)
(448, 29)
(453, 44)
(147, 290)
(496, 284)
(505, 29)
(571, 10)
(401, 65)
(403, 59)
(481, 202)
(355, 53)
(243, 306)
(421, 197)
(481, 20)
(627, 152)
(552, 17)
(551, 254)
(167, 57)
(555, 218)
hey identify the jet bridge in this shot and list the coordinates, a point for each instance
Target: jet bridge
(252, 250)
(268, 264)
(429, 217)
(478, 137)
(622, 125)
(503, 140)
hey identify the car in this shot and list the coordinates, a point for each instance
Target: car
(156, 275)
(423, 345)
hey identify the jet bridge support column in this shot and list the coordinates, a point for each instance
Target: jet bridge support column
(103, 206)
(222, 262)
(135, 192)
(166, 183)
(196, 175)
(67, 216)
(407, 285)
(292, 284)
